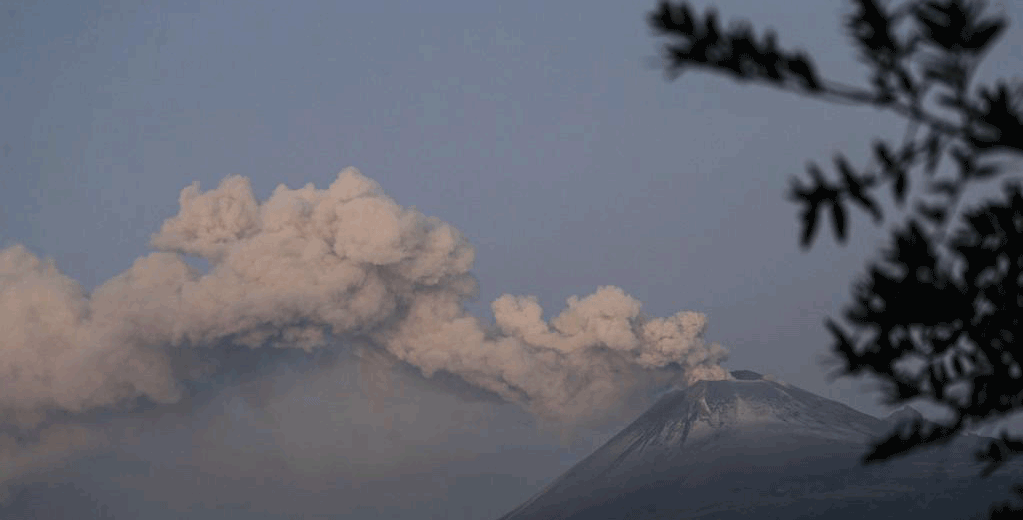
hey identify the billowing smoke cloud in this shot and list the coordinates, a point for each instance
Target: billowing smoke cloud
(312, 269)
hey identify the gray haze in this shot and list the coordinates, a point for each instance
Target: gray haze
(541, 133)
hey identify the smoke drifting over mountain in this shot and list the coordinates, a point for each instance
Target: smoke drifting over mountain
(311, 269)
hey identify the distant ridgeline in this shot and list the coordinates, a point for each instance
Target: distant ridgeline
(751, 447)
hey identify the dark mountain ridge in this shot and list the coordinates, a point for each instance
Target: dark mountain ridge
(755, 446)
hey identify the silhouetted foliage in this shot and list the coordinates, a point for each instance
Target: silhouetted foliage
(938, 315)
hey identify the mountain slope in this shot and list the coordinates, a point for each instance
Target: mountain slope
(724, 449)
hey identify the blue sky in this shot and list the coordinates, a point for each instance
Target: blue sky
(541, 130)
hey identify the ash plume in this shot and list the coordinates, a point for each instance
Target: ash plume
(318, 269)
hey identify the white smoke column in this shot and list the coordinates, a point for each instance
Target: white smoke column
(304, 265)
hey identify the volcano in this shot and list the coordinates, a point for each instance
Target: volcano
(752, 447)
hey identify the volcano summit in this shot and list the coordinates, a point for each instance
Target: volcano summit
(752, 447)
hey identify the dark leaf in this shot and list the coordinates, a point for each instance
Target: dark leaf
(868, 203)
(998, 452)
(843, 345)
(936, 380)
(985, 172)
(983, 36)
(673, 18)
(899, 187)
(812, 198)
(893, 445)
(710, 26)
(854, 187)
(944, 69)
(661, 19)
(912, 250)
(944, 24)
(963, 157)
(959, 366)
(871, 27)
(846, 170)
(801, 66)
(907, 82)
(1000, 123)
(884, 154)
(934, 213)
(838, 219)
(809, 225)
(933, 150)
(770, 57)
(893, 170)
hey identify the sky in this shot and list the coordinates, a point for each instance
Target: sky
(558, 160)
